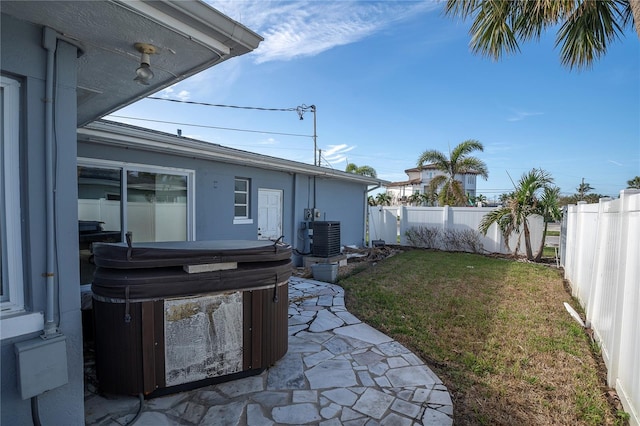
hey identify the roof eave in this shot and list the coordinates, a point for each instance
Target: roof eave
(115, 134)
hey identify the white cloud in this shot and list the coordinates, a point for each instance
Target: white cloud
(521, 115)
(268, 141)
(306, 28)
(170, 92)
(335, 154)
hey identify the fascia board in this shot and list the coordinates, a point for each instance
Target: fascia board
(194, 20)
(114, 135)
(202, 12)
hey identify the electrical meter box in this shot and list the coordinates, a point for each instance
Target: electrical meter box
(311, 214)
(41, 365)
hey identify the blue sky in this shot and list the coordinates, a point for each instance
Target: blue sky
(393, 79)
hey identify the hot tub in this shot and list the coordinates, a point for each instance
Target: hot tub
(179, 315)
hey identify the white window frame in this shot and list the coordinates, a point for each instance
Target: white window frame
(127, 167)
(14, 319)
(12, 266)
(242, 220)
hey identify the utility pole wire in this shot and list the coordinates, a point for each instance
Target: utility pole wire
(301, 109)
(212, 127)
(220, 105)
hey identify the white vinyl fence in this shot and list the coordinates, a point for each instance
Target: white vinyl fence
(601, 259)
(390, 224)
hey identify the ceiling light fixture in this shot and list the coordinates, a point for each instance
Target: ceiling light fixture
(144, 73)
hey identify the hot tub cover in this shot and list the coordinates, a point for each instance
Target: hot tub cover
(181, 253)
(143, 284)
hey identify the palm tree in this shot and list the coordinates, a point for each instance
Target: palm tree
(585, 28)
(415, 199)
(383, 199)
(362, 170)
(634, 183)
(550, 211)
(582, 189)
(458, 163)
(523, 202)
(480, 199)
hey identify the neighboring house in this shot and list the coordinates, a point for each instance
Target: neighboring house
(63, 65)
(419, 180)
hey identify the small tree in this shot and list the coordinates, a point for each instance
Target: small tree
(415, 199)
(550, 211)
(383, 199)
(523, 202)
(583, 189)
(362, 170)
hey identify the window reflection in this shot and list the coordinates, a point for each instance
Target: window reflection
(155, 209)
(156, 206)
(99, 213)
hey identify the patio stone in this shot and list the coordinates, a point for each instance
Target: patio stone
(373, 403)
(296, 414)
(337, 371)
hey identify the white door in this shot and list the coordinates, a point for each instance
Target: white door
(269, 214)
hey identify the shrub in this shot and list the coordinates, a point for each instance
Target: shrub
(423, 236)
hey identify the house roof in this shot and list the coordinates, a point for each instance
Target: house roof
(434, 167)
(404, 183)
(118, 134)
(189, 36)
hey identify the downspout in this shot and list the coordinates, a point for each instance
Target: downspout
(366, 212)
(49, 42)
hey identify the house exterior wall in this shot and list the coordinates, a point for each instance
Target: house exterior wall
(336, 200)
(23, 58)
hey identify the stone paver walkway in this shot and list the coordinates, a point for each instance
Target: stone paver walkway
(337, 371)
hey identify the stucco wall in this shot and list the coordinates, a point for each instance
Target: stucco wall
(24, 58)
(335, 199)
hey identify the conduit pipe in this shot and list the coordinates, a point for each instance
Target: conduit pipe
(49, 42)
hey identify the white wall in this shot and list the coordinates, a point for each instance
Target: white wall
(383, 225)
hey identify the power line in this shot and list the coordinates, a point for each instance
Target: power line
(212, 127)
(222, 105)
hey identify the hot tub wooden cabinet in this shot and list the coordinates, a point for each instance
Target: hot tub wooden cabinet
(175, 316)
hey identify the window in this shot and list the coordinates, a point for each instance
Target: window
(153, 203)
(11, 268)
(241, 201)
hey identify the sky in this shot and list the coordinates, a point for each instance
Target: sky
(390, 80)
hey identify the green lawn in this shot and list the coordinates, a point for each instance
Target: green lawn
(494, 330)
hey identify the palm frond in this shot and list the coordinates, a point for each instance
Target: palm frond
(586, 34)
(432, 157)
(492, 32)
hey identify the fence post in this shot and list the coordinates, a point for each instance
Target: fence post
(446, 218)
(402, 213)
(498, 239)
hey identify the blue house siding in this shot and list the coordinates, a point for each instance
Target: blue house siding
(336, 199)
(24, 59)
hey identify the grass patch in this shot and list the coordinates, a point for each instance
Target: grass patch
(495, 331)
(549, 252)
(553, 233)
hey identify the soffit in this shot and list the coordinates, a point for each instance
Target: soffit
(190, 37)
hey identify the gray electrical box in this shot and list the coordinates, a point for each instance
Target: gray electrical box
(311, 214)
(41, 365)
